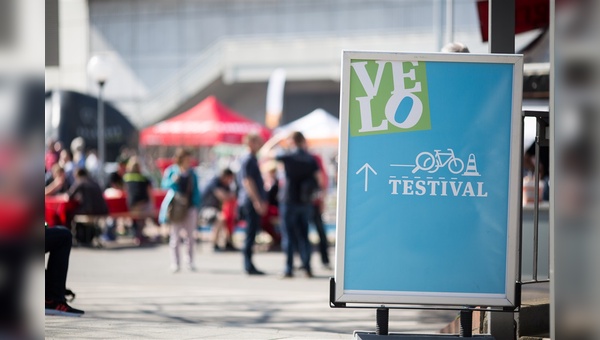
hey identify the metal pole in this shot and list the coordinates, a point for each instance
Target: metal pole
(466, 323)
(382, 319)
(450, 20)
(502, 40)
(520, 225)
(536, 202)
(502, 26)
(101, 153)
(438, 28)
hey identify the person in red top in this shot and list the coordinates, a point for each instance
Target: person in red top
(52, 154)
(215, 195)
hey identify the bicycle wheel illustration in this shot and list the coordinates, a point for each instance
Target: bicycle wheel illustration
(424, 161)
(456, 165)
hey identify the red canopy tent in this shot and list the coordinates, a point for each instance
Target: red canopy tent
(208, 123)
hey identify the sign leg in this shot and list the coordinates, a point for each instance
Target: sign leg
(466, 323)
(382, 319)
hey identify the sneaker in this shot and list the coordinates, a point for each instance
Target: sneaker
(230, 247)
(286, 276)
(61, 308)
(255, 271)
(174, 268)
(307, 274)
(191, 267)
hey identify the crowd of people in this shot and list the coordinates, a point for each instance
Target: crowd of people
(280, 203)
(280, 194)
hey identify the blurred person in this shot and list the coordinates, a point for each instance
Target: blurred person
(317, 208)
(92, 165)
(115, 189)
(217, 192)
(252, 198)
(139, 195)
(59, 183)
(455, 47)
(230, 215)
(18, 213)
(88, 195)
(58, 242)
(544, 167)
(66, 162)
(49, 155)
(118, 174)
(302, 178)
(115, 186)
(85, 198)
(78, 152)
(52, 153)
(21, 152)
(125, 153)
(271, 219)
(179, 178)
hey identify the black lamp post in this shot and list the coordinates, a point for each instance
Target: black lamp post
(99, 70)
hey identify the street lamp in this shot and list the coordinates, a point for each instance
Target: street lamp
(99, 70)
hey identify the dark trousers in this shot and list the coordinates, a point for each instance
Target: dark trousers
(294, 220)
(58, 244)
(323, 243)
(252, 225)
(14, 261)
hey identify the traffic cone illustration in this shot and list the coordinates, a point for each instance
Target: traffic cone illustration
(471, 167)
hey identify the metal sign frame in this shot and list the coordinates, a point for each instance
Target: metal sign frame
(343, 295)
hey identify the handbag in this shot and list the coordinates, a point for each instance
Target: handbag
(177, 209)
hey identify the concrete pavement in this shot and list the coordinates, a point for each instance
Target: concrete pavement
(128, 293)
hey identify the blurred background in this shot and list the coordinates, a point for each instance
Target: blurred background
(163, 58)
(166, 56)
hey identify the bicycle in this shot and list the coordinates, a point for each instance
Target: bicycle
(426, 161)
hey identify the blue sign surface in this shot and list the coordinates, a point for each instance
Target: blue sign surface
(428, 157)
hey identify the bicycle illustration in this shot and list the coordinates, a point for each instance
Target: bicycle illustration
(431, 163)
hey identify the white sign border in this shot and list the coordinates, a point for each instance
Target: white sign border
(343, 295)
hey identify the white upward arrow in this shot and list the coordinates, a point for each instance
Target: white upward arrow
(366, 168)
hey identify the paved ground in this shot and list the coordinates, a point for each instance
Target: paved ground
(129, 293)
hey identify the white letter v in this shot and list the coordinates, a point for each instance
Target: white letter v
(361, 71)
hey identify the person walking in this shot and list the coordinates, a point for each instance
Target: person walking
(139, 196)
(181, 182)
(302, 181)
(251, 199)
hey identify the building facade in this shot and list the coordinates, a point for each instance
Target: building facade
(167, 55)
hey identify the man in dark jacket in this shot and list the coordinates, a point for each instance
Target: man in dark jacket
(87, 194)
(251, 199)
(86, 197)
(302, 181)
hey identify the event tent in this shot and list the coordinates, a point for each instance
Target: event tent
(320, 128)
(209, 123)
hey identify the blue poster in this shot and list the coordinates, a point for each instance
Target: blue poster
(428, 153)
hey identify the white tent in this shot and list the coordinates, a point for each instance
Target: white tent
(320, 128)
